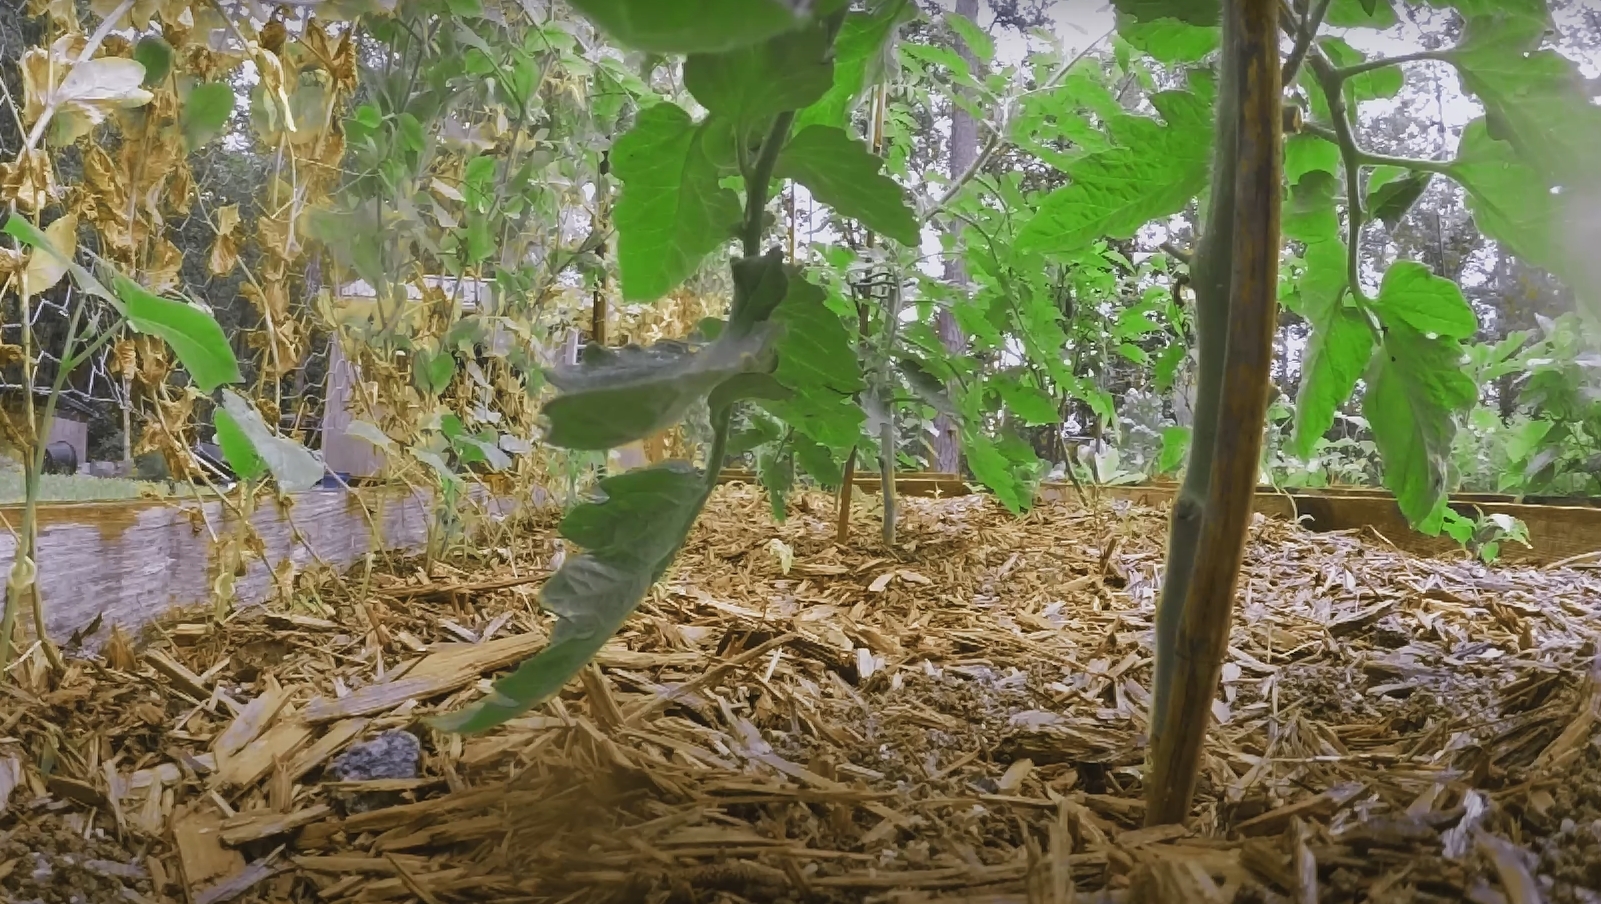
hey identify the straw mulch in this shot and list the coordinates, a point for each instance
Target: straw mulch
(961, 719)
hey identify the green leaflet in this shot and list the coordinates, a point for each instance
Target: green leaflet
(1416, 388)
(630, 536)
(1175, 446)
(752, 84)
(615, 396)
(707, 26)
(672, 212)
(195, 336)
(1306, 153)
(978, 42)
(1194, 12)
(1360, 14)
(861, 53)
(1115, 192)
(841, 172)
(996, 470)
(1390, 202)
(1534, 99)
(819, 461)
(775, 469)
(250, 446)
(205, 112)
(1341, 342)
(1170, 40)
(1030, 403)
(817, 361)
(1513, 204)
(1337, 353)
(1427, 303)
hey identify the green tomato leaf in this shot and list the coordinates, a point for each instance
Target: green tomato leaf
(195, 336)
(1305, 153)
(706, 26)
(818, 461)
(1175, 446)
(817, 361)
(1171, 41)
(1360, 14)
(433, 370)
(1391, 201)
(995, 470)
(1193, 12)
(1337, 353)
(616, 396)
(1116, 192)
(249, 445)
(1416, 389)
(1425, 302)
(751, 84)
(978, 41)
(841, 172)
(1030, 403)
(1546, 224)
(672, 212)
(862, 52)
(1536, 100)
(775, 470)
(205, 112)
(629, 538)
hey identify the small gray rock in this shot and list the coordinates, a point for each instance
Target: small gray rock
(393, 754)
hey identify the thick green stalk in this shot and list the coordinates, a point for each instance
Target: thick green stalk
(1237, 268)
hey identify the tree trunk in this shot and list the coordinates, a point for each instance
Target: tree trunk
(964, 150)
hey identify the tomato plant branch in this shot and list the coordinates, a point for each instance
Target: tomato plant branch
(1306, 31)
(1351, 154)
(760, 178)
(1236, 300)
(1367, 66)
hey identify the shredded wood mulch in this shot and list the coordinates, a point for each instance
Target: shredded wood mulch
(961, 719)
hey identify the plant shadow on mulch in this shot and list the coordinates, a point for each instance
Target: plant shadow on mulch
(960, 719)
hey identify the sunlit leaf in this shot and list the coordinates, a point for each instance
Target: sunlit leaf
(1171, 40)
(629, 537)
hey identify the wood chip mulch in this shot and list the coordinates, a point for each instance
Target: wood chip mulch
(961, 719)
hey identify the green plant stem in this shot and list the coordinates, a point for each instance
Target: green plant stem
(721, 419)
(1236, 299)
(1306, 31)
(1366, 66)
(1351, 155)
(760, 179)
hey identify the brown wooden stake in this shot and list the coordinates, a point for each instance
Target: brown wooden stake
(842, 532)
(1251, 58)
